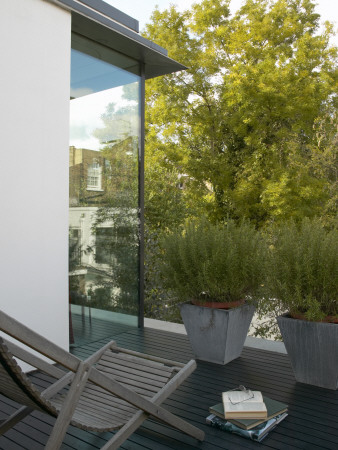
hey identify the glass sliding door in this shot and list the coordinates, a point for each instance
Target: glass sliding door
(105, 133)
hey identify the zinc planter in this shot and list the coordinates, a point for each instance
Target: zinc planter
(216, 335)
(313, 350)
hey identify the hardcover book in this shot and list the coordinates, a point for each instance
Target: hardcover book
(257, 433)
(237, 404)
(273, 407)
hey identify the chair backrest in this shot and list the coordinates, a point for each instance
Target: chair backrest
(15, 384)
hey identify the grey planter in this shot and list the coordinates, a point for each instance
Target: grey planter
(216, 335)
(313, 350)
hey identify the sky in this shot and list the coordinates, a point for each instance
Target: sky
(142, 9)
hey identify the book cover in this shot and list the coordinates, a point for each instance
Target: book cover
(256, 434)
(237, 404)
(273, 407)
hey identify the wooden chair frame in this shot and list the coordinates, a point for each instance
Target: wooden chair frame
(81, 372)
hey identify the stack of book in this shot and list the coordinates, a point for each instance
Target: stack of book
(248, 413)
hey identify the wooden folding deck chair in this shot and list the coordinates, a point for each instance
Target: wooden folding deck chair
(114, 389)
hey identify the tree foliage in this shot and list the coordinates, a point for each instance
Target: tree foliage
(251, 123)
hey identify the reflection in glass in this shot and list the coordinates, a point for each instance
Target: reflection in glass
(103, 190)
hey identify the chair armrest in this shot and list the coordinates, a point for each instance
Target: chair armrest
(95, 357)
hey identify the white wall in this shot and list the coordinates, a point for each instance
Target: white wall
(34, 122)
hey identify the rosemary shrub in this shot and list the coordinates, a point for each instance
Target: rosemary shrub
(220, 263)
(303, 270)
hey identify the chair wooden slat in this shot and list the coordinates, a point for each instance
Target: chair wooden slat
(100, 419)
(110, 403)
(138, 362)
(133, 380)
(133, 370)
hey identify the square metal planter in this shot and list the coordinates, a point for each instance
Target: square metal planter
(313, 350)
(216, 335)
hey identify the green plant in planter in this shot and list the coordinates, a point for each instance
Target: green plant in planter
(303, 271)
(214, 263)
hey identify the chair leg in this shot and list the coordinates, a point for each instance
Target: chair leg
(123, 433)
(14, 419)
(68, 407)
(129, 428)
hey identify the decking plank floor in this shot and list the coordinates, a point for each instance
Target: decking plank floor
(311, 424)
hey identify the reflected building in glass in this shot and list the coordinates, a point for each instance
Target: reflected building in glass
(105, 190)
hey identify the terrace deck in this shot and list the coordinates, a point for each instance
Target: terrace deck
(311, 424)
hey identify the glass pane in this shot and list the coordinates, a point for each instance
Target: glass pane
(103, 192)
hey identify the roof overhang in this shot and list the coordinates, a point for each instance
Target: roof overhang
(101, 22)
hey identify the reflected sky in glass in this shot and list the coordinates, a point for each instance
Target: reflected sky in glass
(105, 130)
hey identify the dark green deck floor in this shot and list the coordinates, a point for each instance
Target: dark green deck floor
(311, 424)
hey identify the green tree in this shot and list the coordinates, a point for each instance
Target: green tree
(165, 209)
(243, 122)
